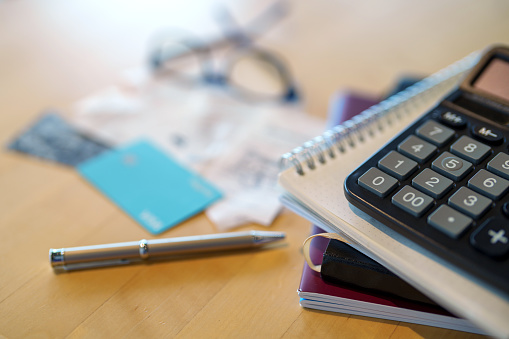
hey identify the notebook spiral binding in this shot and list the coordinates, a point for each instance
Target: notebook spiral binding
(363, 126)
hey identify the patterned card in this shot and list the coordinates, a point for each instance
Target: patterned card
(52, 138)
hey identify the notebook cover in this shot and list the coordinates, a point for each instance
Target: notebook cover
(343, 264)
(311, 282)
(346, 104)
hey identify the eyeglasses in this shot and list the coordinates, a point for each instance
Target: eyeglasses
(233, 62)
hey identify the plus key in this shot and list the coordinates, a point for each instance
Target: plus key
(492, 238)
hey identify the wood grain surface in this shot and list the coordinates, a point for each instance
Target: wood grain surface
(55, 52)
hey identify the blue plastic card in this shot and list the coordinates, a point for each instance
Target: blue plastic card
(150, 186)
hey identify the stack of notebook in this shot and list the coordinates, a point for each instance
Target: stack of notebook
(352, 283)
(312, 179)
(324, 291)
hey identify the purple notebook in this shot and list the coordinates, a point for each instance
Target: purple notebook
(317, 294)
(347, 104)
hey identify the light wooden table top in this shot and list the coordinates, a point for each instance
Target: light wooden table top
(55, 52)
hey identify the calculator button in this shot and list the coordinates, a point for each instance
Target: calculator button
(412, 201)
(489, 184)
(377, 182)
(435, 133)
(453, 119)
(488, 134)
(492, 238)
(451, 166)
(470, 149)
(417, 149)
(397, 165)
(469, 202)
(432, 183)
(449, 221)
(500, 165)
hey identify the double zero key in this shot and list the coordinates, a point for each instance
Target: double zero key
(412, 201)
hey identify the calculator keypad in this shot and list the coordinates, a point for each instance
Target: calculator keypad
(453, 119)
(397, 165)
(432, 183)
(469, 149)
(488, 134)
(435, 133)
(470, 202)
(489, 184)
(446, 178)
(449, 221)
(500, 165)
(492, 238)
(451, 166)
(417, 149)
(378, 182)
(412, 201)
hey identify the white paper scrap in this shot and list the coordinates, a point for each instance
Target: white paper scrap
(233, 143)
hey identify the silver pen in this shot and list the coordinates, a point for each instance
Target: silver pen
(74, 258)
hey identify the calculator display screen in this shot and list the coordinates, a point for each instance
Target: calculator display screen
(495, 79)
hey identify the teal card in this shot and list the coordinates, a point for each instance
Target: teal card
(148, 185)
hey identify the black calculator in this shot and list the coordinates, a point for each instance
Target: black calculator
(444, 181)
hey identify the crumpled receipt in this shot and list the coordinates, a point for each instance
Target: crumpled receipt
(235, 144)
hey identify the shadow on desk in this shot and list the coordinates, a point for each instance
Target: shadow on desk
(360, 327)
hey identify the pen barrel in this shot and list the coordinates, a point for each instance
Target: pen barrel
(189, 245)
(83, 254)
(128, 252)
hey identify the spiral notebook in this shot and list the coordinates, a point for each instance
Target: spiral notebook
(312, 179)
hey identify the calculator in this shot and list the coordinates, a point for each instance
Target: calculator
(443, 182)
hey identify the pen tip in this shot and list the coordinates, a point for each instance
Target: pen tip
(262, 237)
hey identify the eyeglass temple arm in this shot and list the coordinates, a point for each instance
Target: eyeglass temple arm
(234, 33)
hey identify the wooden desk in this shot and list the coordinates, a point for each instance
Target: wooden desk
(52, 53)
